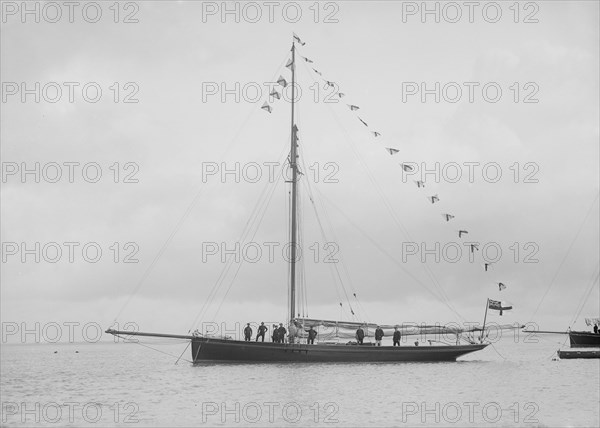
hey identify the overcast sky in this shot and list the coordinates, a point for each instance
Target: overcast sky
(177, 51)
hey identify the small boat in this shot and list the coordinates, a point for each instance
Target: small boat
(575, 353)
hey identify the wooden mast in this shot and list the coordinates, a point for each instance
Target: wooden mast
(487, 305)
(293, 166)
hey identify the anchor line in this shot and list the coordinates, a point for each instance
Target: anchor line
(188, 345)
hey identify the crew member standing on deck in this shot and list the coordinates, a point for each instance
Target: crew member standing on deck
(247, 333)
(281, 332)
(396, 337)
(262, 329)
(596, 328)
(378, 335)
(292, 333)
(360, 335)
(311, 336)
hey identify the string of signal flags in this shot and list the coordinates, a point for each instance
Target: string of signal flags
(392, 151)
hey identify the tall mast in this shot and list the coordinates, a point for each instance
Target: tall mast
(293, 166)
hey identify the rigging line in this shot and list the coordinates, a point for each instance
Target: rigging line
(188, 345)
(337, 291)
(229, 261)
(301, 271)
(303, 287)
(301, 242)
(179, 223)
(239, 265)
(254, 226)
(427, 269)
(586, 296)
(288, 205)
(212, 294)
(228, 267)
(289, 235)
(561, 345)
(331, 229)
(341, 257)
(418, 281)
(391, 211)
(188, 210)
(150, 347)
(376, 244)
(299, 251)
(501, 356)
(324, 236)
(364, 313)
(304, 297)
(564, 258)
(401, 226)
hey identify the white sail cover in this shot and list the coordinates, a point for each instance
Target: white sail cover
(592, 321)
(331, 330)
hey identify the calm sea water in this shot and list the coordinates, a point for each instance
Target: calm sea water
(108, 384)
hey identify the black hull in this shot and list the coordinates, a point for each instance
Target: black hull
(565, 355)
(204, 349)
(583, 339)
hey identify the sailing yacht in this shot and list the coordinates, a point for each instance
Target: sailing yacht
(209, 348)
(583, 339)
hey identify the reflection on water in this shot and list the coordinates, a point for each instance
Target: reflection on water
(508, 384)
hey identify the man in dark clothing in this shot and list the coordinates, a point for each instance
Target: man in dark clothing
(311, 336)
(596, 328)
(281, 332)
(247, 333)
(275, 334)
(378, 335)
(262, 329)
(396, 337)
(360, 335)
